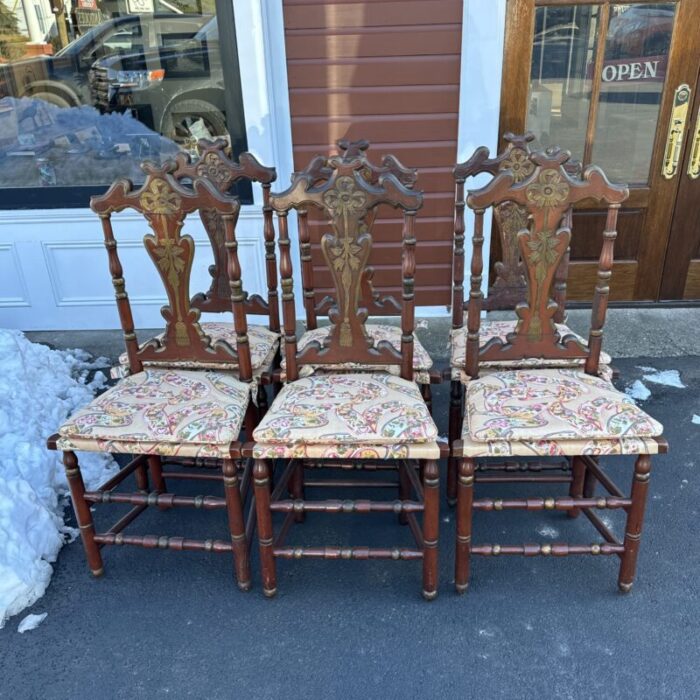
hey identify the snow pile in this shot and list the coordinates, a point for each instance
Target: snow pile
(39, 388)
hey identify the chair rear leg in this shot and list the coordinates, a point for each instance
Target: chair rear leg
(236, 522)
(155, 466)
(578, 473)
(82, 513)
(431, 527)
(404, 489)
(465, 499)
(635, 519)
(265, 534)
(296, 488)
(455, 429)
(427, 393)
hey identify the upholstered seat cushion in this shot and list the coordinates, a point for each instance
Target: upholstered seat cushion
(501, 329)
(422, 362)
(551, 410)
(263, 346)
(347, 412)
(162, 411)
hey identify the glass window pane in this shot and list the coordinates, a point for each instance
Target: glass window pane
(560, 78)
(634, 71)
(89, 94)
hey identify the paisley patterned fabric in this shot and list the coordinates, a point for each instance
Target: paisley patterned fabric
(552, 410)
(500, 330)
(263, 346)
(161, 411)
(419, 450)
(347, 412)
(557, 448)
(378, 332)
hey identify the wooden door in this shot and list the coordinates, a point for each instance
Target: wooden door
(601, 78)
(681, 278)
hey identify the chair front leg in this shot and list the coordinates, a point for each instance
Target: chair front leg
(261, 479)
(635, 519)
(82, 513)
(455, 429)
(431, 527)
(465, 499)
(236, 521)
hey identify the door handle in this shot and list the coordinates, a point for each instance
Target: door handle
(676, 129)
(694, 164)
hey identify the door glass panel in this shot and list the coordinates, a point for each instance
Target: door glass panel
(561, 77)
(633, 74)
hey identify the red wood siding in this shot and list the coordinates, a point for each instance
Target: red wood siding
(388, 72)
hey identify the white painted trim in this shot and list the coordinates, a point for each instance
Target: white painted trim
(483, 34)
(260, 37)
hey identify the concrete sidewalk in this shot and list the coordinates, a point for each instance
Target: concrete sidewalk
(628, 333)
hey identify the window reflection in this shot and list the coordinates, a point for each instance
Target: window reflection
(560, 89)
(88, 93)
(633, 76)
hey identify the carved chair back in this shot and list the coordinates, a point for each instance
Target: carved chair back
(165, 203)
(317, 172)
(346, 199)
(546, 194)
(510, 283)
(215, 165)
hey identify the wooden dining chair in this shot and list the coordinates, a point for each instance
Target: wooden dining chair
(543, 413)
(215, 165)
(337, 417)
(376, 303)
(164, 408)
(509, 286)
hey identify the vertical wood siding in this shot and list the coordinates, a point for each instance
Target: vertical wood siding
(388, 72)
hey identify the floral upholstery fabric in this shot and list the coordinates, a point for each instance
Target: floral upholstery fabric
(552, 410)
(263, 346)
(501, 329)
(557, 448)
(342, 414)
(378, 332)
(418, 450)
(162, 411)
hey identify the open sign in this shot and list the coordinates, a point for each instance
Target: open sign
(651, 69)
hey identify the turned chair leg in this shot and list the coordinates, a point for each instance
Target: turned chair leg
(578, 474)
(82, 513)
(261, 479)
(236, 523)
(404, 488)
(296, 489)
(262, 402)
(431, 527)
(141, 477)
(455, 429)
(635, 519)
(465, 499)
(427, 393)
(155, 466)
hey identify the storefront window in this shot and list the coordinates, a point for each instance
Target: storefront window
(91, 91)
